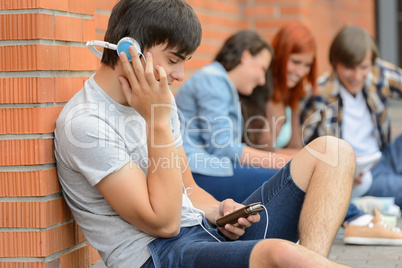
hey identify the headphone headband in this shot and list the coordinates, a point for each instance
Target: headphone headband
(122, 46)
(91, 44)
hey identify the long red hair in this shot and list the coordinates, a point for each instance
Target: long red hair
(294, 38)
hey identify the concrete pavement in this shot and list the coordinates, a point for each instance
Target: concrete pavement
(366, 256)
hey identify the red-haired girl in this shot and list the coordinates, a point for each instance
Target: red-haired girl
(273, 109)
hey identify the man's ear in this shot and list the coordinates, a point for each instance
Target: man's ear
(334, 64)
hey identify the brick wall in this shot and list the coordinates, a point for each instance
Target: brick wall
(44, 61)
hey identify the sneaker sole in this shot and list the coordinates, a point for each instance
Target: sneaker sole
(372, 241)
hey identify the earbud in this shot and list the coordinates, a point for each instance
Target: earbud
(122, 46)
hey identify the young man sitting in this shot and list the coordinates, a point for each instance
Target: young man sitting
(353, 104)
(123, 170)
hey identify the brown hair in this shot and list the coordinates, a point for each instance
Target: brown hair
(153, 23)
(232, 50)
(350, 46)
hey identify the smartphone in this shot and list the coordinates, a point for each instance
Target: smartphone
(239, 213)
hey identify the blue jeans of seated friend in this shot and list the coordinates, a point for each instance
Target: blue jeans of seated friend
(193, 247)
(245, 181)
(353, 213)
(387, 174)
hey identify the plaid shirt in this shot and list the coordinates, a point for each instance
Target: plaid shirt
(322, 113)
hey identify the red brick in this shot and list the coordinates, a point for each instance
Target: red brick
(49, 264)
(208, 48)
(77, 258)
(34, 214)
(101, 21)
(216, 5)
(36, 243)
(295, 11)
(99, 35)
(57, 5)
(211, 33)
(29, 183)
(105, 4)
(28, 120)
(52, 4)
(88, 30)
(81, 58)
(66, 87)
(15, 4)
(18, 4)
(78, 235)
(271, 23)
(68, 28)
(282, 1)
(33, 57)
(29, 4)
(53, 58)
(26, 90)
(39, 89)
(208, 19)
(46, 57)
(93, 255)
(259, 11)
(26, 152)
(83, 7)
(26, 26)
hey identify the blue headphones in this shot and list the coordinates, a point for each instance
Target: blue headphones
(122, 46)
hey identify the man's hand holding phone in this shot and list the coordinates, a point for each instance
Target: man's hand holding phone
(235, 218)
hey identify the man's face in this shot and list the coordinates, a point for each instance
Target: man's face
(254, 70)
(170, 60)
(353, 78)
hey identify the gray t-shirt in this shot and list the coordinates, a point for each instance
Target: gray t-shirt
(94, 137)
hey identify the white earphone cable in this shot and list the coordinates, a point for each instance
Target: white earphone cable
(199, 217)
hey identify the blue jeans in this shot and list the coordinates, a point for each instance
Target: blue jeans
(193, 247)
(353, 213)
(245, 181)
(387, 174)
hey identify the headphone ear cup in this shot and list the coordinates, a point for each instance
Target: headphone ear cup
(125, 43)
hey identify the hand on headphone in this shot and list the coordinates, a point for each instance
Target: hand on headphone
(150, 97)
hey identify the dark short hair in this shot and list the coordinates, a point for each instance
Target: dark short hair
(231, 52)
(151, 23)
(350, 46)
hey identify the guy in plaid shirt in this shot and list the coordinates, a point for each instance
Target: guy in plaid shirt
(353, 104)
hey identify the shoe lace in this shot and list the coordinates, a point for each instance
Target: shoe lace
(384, 225)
